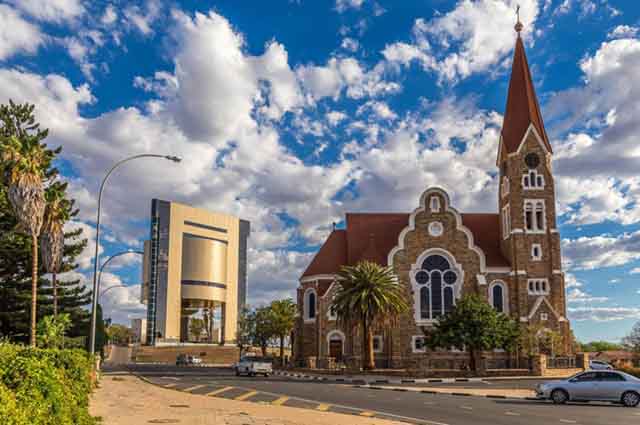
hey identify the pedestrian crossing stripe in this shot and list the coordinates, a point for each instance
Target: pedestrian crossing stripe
(280, 401)
(170, 385)
(246, 395)
(219, 391)
(367, 413)
(195, 387)
(323, 407)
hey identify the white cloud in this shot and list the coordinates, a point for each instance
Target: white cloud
(51, 10)
(350, 44)
(576, 295)
(142, 19)
(571, 281)
(109, 16)
(469, 39)
(335, 117)
(603, 314)
(345, 73)
(344, 5)
(16, 34)
(635, 271)
(587, 253)
(597, 162)
(623, 31)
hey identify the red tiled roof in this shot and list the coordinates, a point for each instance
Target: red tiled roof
(372, 236)
(522, 104)
(332, 255)
(486, 235)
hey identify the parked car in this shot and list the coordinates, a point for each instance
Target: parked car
(614, 386)
(187, 359)
(599, 365)
(252, 366)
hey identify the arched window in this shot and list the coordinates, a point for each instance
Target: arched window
(434, 284)
(310, 304)
(498, 296)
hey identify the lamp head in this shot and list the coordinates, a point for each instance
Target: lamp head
(173, 158)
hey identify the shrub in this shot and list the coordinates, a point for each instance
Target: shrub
(9, 412)
(48, 386)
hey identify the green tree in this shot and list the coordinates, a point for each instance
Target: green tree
(263, 329)
(367, 294)
(57, 212)
(597, 346)
(632, 341)
(475, 326)
(245, 330)
(119, 334)
(24, 163)
(284, 317)
(52, 329)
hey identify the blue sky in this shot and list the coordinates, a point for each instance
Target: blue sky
(290, 113)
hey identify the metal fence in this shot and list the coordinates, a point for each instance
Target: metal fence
(568, 362)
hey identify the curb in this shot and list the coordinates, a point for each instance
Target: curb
(454, 393)
(360, 381)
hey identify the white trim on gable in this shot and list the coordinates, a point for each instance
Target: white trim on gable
(315, 277)
(537, 305)
(531, 128)
(447, 208)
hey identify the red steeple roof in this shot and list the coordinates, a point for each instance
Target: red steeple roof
(522, 104)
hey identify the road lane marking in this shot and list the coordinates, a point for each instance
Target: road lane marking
(568, 421)
(323, 407)
(367, 413)
(246, 395)
(195, 387)
(512, 413)
(170, 385)
(219, 391)
(280, 401)
(466, 407)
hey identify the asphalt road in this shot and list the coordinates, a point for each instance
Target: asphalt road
(431, 409)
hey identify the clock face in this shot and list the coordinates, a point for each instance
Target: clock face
(532, 160)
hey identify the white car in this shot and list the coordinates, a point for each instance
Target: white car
(252, 366)
(599, 365)
(601, 385)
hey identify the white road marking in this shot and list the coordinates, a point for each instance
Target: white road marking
(512, 413)
(568, 421)
(466, 407)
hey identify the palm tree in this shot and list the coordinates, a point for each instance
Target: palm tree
(23, 162)
(368, 294)
(57, 212)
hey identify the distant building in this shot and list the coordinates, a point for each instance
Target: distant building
(510, 258)
(139, 330)
(616, 358)
(194, 275)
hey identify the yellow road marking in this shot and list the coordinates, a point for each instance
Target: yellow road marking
(246, 395)
(279, 402)
(367, 413)
(323, 407)
(195, 387)
(219, 391)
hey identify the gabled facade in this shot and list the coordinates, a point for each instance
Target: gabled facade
(510, 258)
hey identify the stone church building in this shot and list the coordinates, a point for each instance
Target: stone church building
(510, 258)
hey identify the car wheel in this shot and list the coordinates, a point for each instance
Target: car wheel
(559, 396)
(266, 375)
(631, 399)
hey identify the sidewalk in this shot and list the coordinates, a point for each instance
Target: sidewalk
(123, 399)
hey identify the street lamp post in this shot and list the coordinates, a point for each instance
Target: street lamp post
(94, 304)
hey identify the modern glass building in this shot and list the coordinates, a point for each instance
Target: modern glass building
(194, 275)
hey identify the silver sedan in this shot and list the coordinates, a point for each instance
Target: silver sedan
(614, 386)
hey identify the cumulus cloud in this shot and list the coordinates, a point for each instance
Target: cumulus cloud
(16, 34)
(344, 5)
(50, 10)
(602, 314)
(469, 39)
(623, 31)
(587, 253)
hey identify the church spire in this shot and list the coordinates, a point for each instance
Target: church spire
(522, 104)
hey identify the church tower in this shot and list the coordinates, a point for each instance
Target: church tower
(527, 204)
